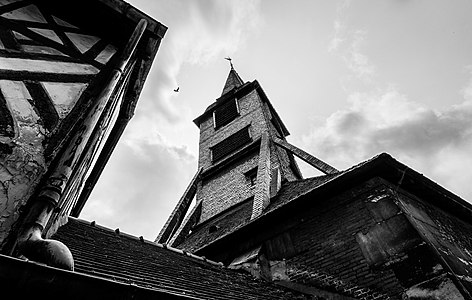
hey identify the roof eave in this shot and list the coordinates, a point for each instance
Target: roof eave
(26, 279)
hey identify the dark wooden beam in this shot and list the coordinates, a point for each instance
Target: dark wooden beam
(8, 39)
(38, 76)
(310, 159)
(39, 56)
(42, 104)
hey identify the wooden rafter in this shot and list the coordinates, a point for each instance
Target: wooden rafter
(310, 159)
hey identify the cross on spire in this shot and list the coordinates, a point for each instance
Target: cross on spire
(230, 63)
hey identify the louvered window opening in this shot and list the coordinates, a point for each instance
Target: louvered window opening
(230, 144)
(225, 113)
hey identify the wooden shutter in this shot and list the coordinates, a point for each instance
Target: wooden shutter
(226, 113)
(230, 144)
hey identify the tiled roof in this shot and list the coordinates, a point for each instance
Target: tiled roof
(293, 189)
(104, 253)
(232, 81)
(223, 223)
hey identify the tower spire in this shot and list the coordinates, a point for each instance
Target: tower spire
(233, 79)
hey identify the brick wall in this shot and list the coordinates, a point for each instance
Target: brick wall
(326, 242)
(250, 113)
(227, 187)
(230, 186)
(451, 236)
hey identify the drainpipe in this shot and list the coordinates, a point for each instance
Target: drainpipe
(29, 241)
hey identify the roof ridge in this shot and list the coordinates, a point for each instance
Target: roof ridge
(143, 240)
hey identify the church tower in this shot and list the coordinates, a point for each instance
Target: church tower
(243, 160)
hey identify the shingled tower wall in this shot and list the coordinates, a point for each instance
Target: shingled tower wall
(230, 148)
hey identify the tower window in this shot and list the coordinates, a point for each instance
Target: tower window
(213, 228)
(230, 144)
(251, 176)
(225, 113)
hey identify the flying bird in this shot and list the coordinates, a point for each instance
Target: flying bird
(177, 89)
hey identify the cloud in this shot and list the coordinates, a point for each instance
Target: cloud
(199, 31)
(348, 44)
(357, 61)
(467, 90)
(339, 27)
(138, 193)
(436, 143)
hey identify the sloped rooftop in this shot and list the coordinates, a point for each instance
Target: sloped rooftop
(240, 214)
(104, 253)
(218, 226)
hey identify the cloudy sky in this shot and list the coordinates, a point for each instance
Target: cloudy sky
(350, 79)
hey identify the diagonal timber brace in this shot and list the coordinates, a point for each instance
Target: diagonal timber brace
(310, 159)
(177, 216)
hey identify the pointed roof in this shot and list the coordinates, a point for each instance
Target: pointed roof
(232, 81)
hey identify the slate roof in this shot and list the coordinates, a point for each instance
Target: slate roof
(102, 252)
(233, 81)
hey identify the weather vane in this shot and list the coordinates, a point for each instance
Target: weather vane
(230, 63)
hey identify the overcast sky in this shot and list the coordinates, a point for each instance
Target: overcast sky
(350, 79)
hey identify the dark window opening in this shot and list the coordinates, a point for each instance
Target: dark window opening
(230, 144)
(213, 228)
(251, 176)
(225, 113)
